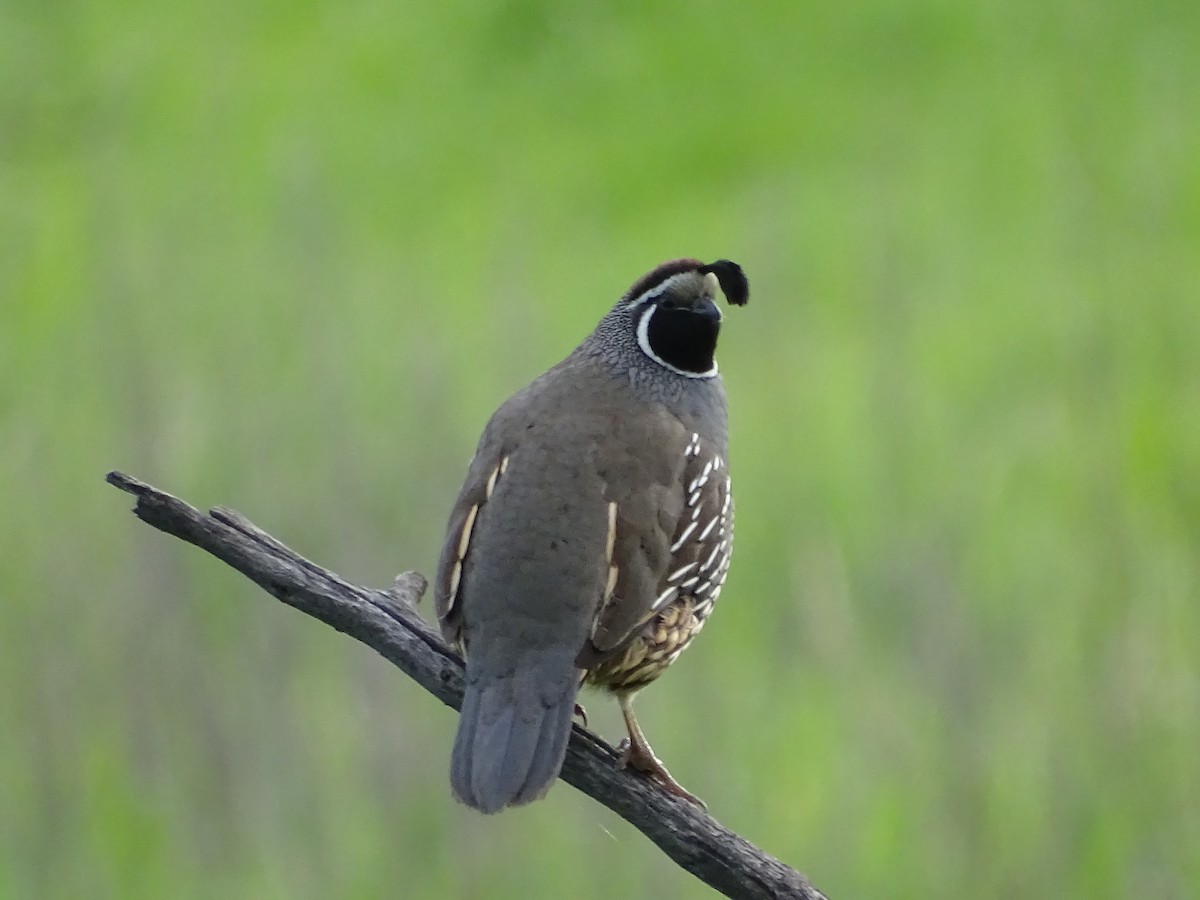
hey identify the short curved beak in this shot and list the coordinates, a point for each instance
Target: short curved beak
(707, 308)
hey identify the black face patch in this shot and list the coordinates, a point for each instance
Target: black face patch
(684, 337)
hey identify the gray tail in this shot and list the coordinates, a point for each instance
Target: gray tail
(512, 737)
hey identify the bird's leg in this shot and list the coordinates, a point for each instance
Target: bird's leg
(636, 753)
(580, 712)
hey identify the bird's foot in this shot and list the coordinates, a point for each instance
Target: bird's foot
(639, 756)
(581, 713)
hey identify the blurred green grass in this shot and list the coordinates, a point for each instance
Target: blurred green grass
(287, 257)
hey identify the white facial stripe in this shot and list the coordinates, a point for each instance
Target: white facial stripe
(643, 339)
(656, 291)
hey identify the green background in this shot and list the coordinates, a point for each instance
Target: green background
(287, 257)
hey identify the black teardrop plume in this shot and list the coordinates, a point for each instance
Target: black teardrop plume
(732, 280)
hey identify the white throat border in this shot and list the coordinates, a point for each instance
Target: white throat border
(643, 339)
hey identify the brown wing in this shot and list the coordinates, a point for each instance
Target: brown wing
(669, 540)
(486, 469)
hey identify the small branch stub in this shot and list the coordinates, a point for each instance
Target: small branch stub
(388, 622)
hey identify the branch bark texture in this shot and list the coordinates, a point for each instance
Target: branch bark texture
(388, 622)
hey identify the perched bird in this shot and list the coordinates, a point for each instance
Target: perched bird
(592, 535)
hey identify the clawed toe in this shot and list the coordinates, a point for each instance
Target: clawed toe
(581, 713)
(640, 758)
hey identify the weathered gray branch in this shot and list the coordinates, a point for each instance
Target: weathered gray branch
(387, 621)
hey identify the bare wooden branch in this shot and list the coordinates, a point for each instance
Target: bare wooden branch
(388, 622)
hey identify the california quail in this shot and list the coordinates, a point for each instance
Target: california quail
(593, 534)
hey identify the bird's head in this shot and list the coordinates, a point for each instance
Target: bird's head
(671, 316)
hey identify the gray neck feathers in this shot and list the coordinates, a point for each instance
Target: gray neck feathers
(614, 346)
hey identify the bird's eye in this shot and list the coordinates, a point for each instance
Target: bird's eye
(668, 303)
